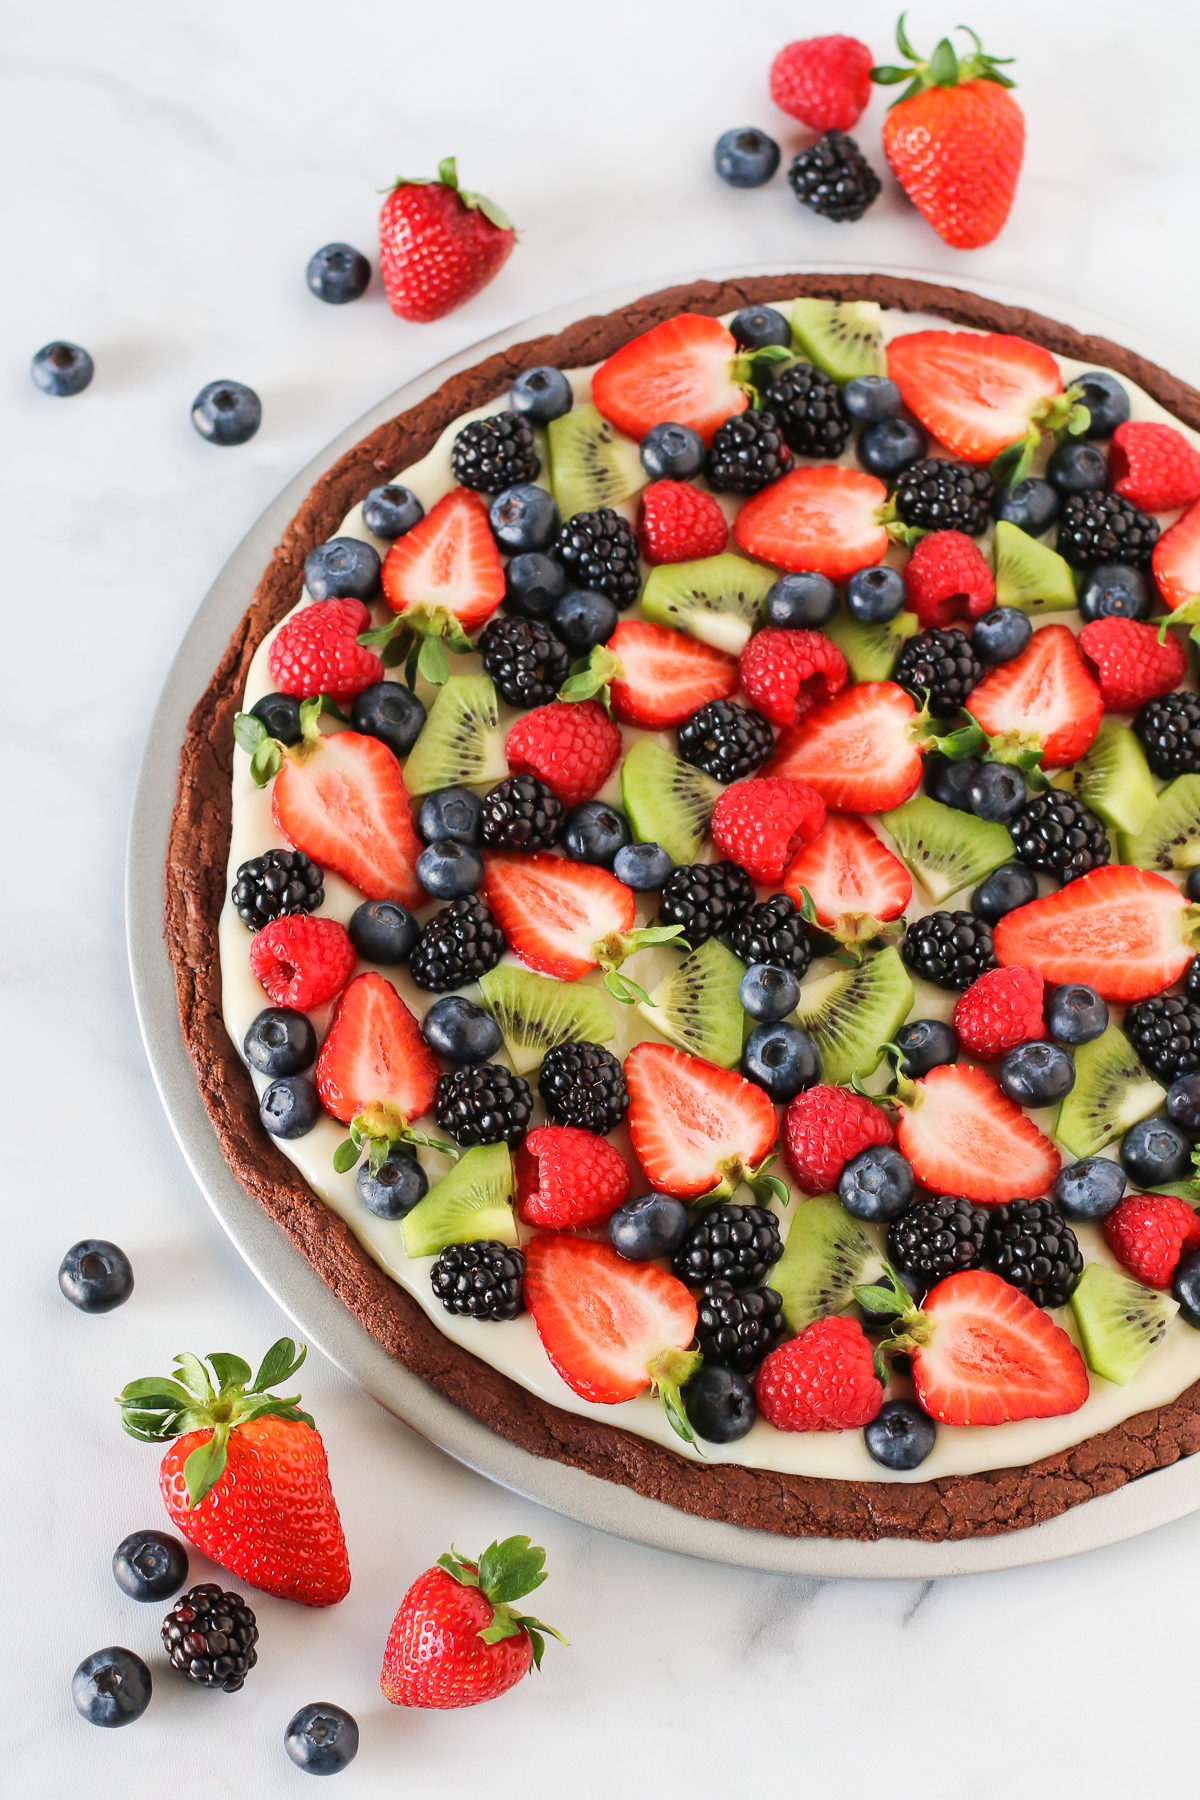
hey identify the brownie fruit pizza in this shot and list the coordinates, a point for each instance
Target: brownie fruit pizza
(683, 893)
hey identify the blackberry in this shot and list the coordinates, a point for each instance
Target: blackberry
(210, 1637)
(459, 944)
(1104, 528)
(833, 177)
(1030, 1244)
(480, 1280)
(1057, 833)
(598, 550)
(483, 1104)
(941, 664)
(736, 1331)
(525, 660)
(939, 495)
(1191, 980)
(773, 932)
(1165, 1032)
(584, 1085)
(495, 453)
(277, 883)
(951, 949)
(936, 1238)
(705, 898)
(737, 1244)
(808, 408)
(520, 813)
(728, 742)
(747, 453)
(1169, 728)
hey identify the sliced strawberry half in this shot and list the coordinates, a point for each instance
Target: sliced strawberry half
(1176, 559)
(991, 1355)
(374, 1055)
(1129, 933)
(859, 750)
(1044, 697)
(554, 913)
(342, 800)
(679, 372)
(853, 880)
(664, 677)
(963, 1135)
(823, 518)
(976, 393)
(694, 1127)
(446, 568)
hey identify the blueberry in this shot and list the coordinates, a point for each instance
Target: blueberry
(719, 1404)
(523, 518)
(1001, 634)
(871, 398)
(900, 1436)
(447, 869)
(593, 832)
(746, 158)
(643, 867)
(887, 448)
(925, 1044)
(950, 782)
(540, 395)
(1185, 1287)
(533, 585)
(799, 602)
(583, 619)
(1154, 1152)
(280, 713)
(647, 1226)
(389, 711)
(1010, 886)
(1078, 469)
(280, 1042)
(876, 1185)
(338, 273)
(227, 412)
(768, 993)
(150, 1565)
(62, 369)
(782, 1059)
(461, 1031)
(450, 812)
(1032, 505)
(873, 596)
(395, 1188)
(383, 931)
(1075, 1014)
(1087, 1191)
(321, 1739)
(1113, 591)
(343, 568)
(1192, 885)
(1037, 1074)
(290, 1107)
(997, 792)
(95, 1276)
(760, 327)
(1106, 401)
(111, 1687)
(672, 452)
(1183, 1102)
(388, 512)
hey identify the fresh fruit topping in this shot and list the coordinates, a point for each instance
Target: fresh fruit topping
(820, 519)
(1112, 1092)
(788, 673)
(825, 82)
(649, 1226)
(438, 244)
(573, 748)
(556, 914)
(1077, 469)
(675, 452)
(302, 962)
(1148, 1233)
(1030, 575)
(459, 944)
(343, 568)
(448, 870)
(734, 1244)
(1165, 1032)
(480, 1280)
(461, 1031)
(950, 949)
(874, 596)
(391, 510)
(1001, 1009)
(538, 1017)
(1154, 466)
(947, 578)
(854, 882)
(290, 1107)
(806, 404)
(1176, 559)
(963, 1136)
(483, 1103)
(227, 412)
(702, 899)
(876, 1185)
(1105, 528)
(1169, 728)
(681, 370)
(696, 1129)
(1044, 699)
(1157, 1154)
(768, 993)
(823, 1380)
(461, 744)
(445, 576)
(667, 801)
(95, 1275)
(1126, 932)
(520, 813)
(761, 824)
(782, 1059)
(977, 393)
(676, 522)
(395, 1186)
(599, 553)
(940, 669)
(210, 1637)
(824, 1128)
(568, 1179)
(594, 831)
(947, 850)
(583, 1085)
(921, 1045)
(773, 932)
(498, 454)
(834, 179)
(826, 1253)
(524, 658)
(1037, 1074)
(472, 1204)
(748, 452)
(1131, 663)
(937, 494)
(321, 1738)
(1056, 833)
(1029, 1244)
(1112, 779)
(728, 742)
(592, 466)
(936, 1238)
(374, 1056)
(390, 712)
(1119, 1320)
(315, 651)
(851, 1014)
(858, 750)
(736, 1330)
(1075, 1014)
(718, 600)
(900, 1436)
(697, 1005)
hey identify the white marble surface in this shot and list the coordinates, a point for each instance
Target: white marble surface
(171, 166)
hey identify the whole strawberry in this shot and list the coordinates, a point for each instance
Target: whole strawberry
(825, 82)
(316, 652)
(572, 747)
(1130, 662)
(439, 245)
(245, 1478)
(823, 1128)
(456, 1639)
(1001, 1009)
(946, 578)
(823, 1380)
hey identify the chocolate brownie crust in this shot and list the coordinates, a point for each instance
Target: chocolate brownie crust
(198, 849)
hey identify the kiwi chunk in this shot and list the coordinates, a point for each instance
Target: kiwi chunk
(592, 464)
(842, 337)
(536, 1014)
(718, 599)
(1112, 1091)
(461, 743)
(826, 1256)
(697, 1006)
(1029, 574)
(946, 849)
(1113, 779)
(1170, 837)
(473, 1201)
(852, 1013)
(870, 650)
(1119, 1320)
(666, 800)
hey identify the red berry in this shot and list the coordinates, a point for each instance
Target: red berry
(825, 82)
(1126, 932)
(315, 652)
(999, 1011)
(761, 825)
(568, 1179)
(676, 523)
(823, 1380)
(438, 246)
(1046, 694)
(823, 1128)
(1154, 466)
(1129, 663)
(948, 579)
(301, 961)
(1176, 559)
(787, 673)
(1148, 1233)
(572, 748)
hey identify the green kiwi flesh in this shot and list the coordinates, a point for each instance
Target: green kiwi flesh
(870, 650)
(461, 743)
(1170, 837)
(592, 464)
(1112, 1091)
(1029, 574)
(666, 800)
(536, 1014)
(473, 1201)
(1119, 1320)
(1112, 778)
(826, 1256)
(852, 1013)
(697, 1006)
(842, 337)
(717, 599)
(946, 849)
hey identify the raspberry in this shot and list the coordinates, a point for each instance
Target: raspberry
(823, 1128)
(1129, 663)
(1154, 466)
(760, 825)
(315, 652)
(823, 1380)
(573, 748)
(676, 522)
(786, 673)
(825, 82)
(302, 961)
(947, 579)
(1148, 1233)
(1000, 1010)
(568, 1179)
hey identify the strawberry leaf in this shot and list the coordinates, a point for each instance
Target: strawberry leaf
(279, 1364)
(266, 762)
(346, 1155)
(511, 1569)
(232, 1372)
(248, 732)
(206, 1465)
(194, 1376)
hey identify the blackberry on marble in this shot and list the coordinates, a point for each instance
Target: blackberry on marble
(210, 1636)
(833, 178)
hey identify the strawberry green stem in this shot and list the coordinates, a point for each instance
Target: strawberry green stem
(504, 1573)
(944, 68)
(379, 1126)
(670, 1371)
